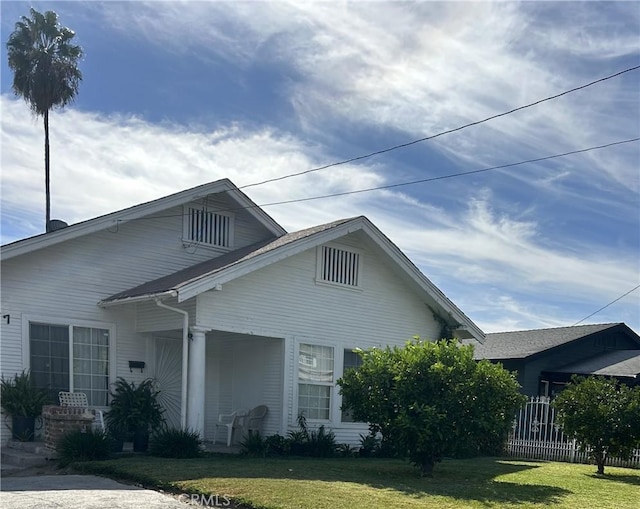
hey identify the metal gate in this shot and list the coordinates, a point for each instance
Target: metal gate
(536, 434)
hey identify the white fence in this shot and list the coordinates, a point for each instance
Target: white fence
(535, 434)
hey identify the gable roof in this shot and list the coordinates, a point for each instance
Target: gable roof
(190, 282)
(122, 216)
(172, 284)
(619, 363)
(524, 344)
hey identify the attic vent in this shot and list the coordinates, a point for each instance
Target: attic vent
(339, 266)
(206, 227)
(55, 224)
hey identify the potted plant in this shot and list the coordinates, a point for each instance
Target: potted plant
(23, 402)
(135, 410)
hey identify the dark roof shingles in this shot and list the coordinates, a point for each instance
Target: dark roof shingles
(522, 344)
(623, 363)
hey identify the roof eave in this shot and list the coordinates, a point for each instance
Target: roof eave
(137, 298)
(209, 282)
(144, 209)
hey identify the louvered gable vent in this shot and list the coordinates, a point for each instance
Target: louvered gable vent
(209, 228)
(339, 266)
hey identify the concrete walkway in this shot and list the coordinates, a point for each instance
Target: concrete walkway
(81, 492)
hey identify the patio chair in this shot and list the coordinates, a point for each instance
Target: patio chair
(253, 421)
(229, 422)
(79, 400)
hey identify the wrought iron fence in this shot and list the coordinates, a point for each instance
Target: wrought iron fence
(536, 434)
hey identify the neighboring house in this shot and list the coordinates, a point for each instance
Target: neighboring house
(205, 292)
(545, 359)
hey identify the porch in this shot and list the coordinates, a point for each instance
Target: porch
(236, 371)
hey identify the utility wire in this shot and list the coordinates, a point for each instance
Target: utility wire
(403, 145)
(452, 175)
(413, 182)
(606, 306)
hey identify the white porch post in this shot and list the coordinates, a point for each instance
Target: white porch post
(196, 380)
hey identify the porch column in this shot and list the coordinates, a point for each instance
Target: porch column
(196, 380)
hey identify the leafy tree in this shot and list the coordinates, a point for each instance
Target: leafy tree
(602, 415)
(432, 399)
(46, 74)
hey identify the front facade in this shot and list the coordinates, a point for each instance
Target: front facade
(204, 292)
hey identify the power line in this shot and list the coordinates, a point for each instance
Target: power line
(420, 140)
(413, 182)
(452, 175)
(606, 306)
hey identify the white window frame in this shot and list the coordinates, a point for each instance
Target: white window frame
(320, 261)
(331, 384)
(27, 320)
(186, 221)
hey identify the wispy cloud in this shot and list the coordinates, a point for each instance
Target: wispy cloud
(513, 248)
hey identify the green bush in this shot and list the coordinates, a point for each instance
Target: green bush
(321, 443)
(602, 415)
(254, 445)
(175, 443)
(277, 445)
(81, 445)
(432, 399)
(299, 438)
(20, 397)
(369, 445)
(345, 451)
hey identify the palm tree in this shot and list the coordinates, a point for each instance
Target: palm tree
(46, 74)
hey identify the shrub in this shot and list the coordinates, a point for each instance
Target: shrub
(175, 443)
(299, 438)
(81, 445)
(277, 445)
(432, 399)
(602, 415)
(369, 444)
(321, 443)
(253, 445)
(20, 397)
(345, 451)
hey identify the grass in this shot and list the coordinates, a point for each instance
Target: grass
(354, 483)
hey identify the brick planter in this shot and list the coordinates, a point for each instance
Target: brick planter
(60, 420)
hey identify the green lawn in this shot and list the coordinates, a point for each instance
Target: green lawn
(356, 483)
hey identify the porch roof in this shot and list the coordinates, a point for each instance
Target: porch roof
(172, 283)
(619, 363)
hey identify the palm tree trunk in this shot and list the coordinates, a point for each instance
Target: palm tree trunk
(47, 189)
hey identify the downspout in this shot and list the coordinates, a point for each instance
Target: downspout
(185, 360)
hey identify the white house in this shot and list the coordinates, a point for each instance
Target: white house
(225, 308)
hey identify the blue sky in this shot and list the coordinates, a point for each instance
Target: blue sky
(176, 94)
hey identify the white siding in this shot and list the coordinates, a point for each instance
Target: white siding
(243, 372)
(66, 281)
(283, 300)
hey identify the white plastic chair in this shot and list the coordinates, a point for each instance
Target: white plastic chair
(253, 421)
(79, 400)
(230, 422)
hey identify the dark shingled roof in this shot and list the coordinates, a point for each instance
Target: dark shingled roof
(522, 344)
(620, 363)
(182, 277)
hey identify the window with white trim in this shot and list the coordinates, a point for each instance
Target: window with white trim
(315, 381)
(70, 358)
(339, 266)
(351, 360)
(208, 227)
